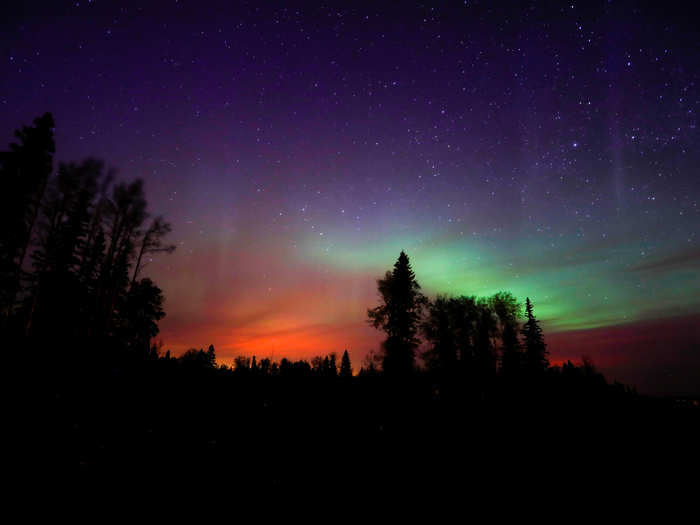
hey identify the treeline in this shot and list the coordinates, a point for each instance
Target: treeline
(75, 242)
(476, 348)
(73, 246)
(481, 346)
(466, 335)
(78, 321)
(249, 367)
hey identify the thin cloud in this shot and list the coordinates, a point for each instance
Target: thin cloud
(679, 260)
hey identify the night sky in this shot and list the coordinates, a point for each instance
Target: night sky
(549, 149)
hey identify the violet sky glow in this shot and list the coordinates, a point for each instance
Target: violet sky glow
(549, 149)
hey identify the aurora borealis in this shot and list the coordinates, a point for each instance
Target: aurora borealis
(549, 149)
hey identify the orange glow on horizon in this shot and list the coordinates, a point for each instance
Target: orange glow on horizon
(277, 340)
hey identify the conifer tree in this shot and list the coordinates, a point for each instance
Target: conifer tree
(345, 367)
(85, 236)
(399, 316)
(24, 175)
(211, 355)
(332, 365)
(535, 348)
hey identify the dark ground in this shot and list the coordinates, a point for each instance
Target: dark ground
(161, 421)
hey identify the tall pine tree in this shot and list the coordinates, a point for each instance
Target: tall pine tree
(345, 367)
(535, 348)
(24, 175)
(399, 316)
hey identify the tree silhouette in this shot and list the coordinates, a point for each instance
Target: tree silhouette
(345, 367)
(318, 366)
(241, 364)
(198, 359)
(57, 290)
(140, 313)
(85, 318)
(508, 310)
(24, 174)
(83, 236)
(535, 348)
(463, 317)
(125, 213)
(440, 330)
(486, 328)
(511, 350)
(399, 316)
(211, 355)
(152, 242)
(332, 369)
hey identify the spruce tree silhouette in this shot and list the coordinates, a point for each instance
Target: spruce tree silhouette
(345, 366)
(24, 173)
(211, 355)
(535, 348)
(399, 316)
(332, 365)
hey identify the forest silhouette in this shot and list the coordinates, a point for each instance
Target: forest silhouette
(457, 379)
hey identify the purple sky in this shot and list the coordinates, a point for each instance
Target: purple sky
(550, 149)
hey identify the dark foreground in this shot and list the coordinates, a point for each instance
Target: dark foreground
(157, 420)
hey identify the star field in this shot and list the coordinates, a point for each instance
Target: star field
(547, 148)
